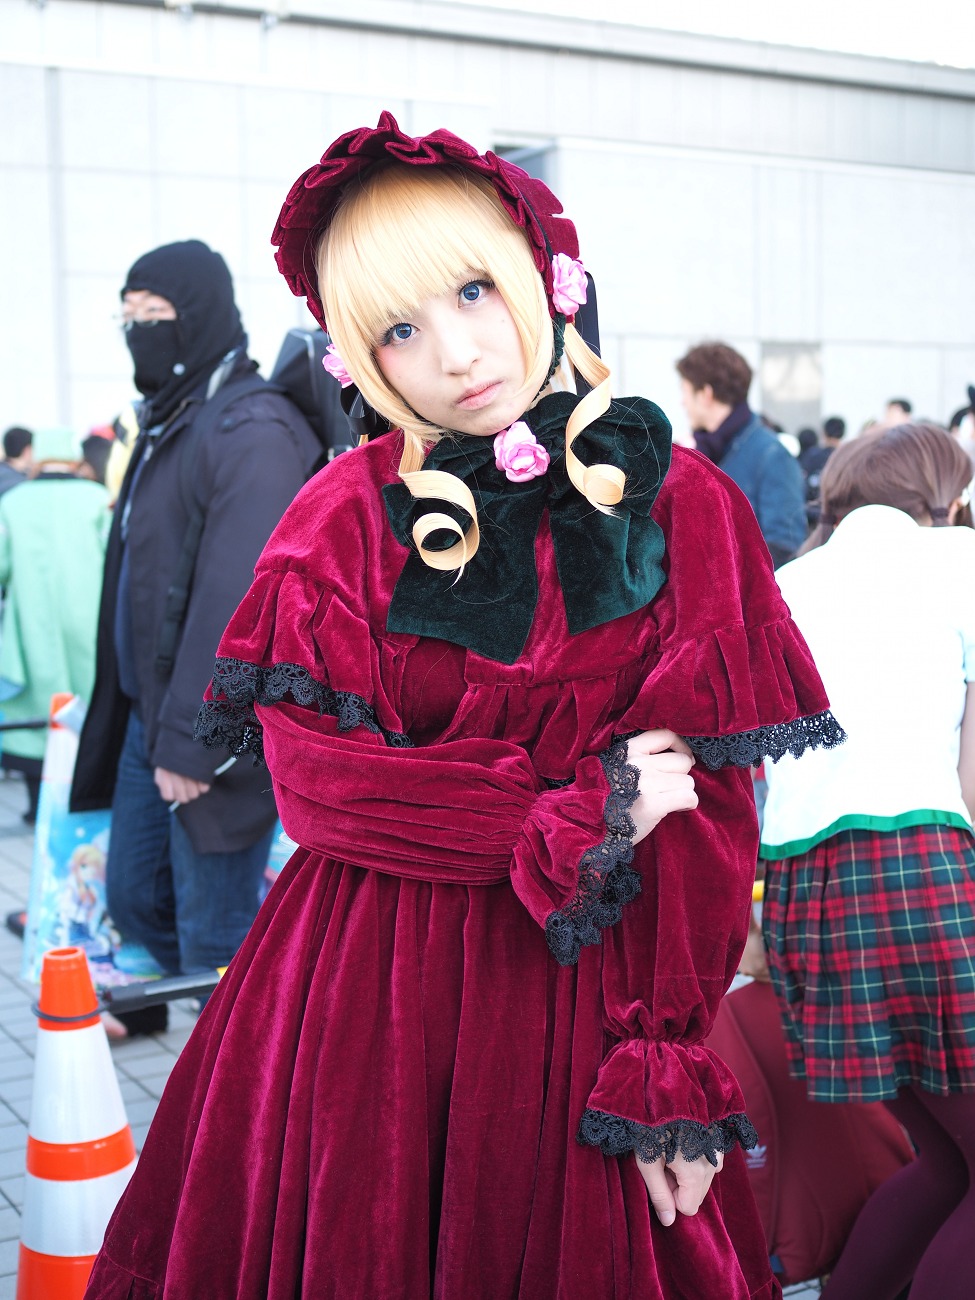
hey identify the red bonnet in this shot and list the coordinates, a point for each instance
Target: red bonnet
(309, 206)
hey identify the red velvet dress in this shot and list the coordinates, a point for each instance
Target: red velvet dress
(397, 1091)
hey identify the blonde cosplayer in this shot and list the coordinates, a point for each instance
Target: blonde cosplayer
(406, 234)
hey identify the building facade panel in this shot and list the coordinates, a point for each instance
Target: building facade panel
(106, 217)
(31, 350)
(788, 253)
(23, 101)
(798, 203)
(105, 123)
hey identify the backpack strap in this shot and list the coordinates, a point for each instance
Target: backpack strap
(207, 420)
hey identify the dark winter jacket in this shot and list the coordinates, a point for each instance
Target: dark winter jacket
(247, 470)
(771, 479)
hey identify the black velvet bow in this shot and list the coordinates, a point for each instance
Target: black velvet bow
(608, 565)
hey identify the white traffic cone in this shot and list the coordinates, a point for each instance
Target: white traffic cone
(80, 1153)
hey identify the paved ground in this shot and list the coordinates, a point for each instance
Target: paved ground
(143, 1065)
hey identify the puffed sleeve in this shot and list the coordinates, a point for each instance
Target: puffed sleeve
(732, 673)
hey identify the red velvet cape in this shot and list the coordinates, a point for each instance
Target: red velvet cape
(383, 1097)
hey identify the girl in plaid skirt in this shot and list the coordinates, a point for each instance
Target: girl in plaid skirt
(869, 915)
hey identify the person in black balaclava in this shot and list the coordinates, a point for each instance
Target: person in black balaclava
(190, 830)
(180, 321)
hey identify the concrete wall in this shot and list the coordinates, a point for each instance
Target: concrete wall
(763, 195)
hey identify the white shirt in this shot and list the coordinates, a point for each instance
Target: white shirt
(888, 610)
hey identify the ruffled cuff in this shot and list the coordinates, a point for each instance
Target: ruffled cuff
(606, 880)
(749, 748)
(227, 717)
(616, 1136)
(660, 1098)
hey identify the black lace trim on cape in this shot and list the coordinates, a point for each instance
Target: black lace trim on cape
(617, 1137)
(749, 748)
(606, 879)
(231, 723)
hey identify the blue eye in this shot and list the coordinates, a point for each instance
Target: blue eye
(397, 334)
(476, 289)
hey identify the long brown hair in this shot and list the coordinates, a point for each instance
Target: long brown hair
(917, 468)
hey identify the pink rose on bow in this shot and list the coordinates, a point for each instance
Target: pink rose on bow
(335, 366)
(569, 287)
(519, 454)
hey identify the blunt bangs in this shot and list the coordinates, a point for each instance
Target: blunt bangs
(408, 238)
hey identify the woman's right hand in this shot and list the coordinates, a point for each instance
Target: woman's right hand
(664, 762)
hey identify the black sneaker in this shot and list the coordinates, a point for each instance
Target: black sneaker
(147, 1020)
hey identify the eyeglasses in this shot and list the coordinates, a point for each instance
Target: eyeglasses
(127, 323)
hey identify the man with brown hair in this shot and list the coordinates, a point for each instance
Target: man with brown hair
(715, 380)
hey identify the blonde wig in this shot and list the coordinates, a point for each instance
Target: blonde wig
(405, 234)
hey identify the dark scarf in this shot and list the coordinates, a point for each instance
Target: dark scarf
(715, 443)
(207, 327)
(608, 565)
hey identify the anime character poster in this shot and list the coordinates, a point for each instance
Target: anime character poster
(66, 906)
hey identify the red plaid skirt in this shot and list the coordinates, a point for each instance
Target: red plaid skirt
(871, 939)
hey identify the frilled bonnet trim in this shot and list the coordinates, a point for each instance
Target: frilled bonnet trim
(687, 1137)
(229, 721)
(311, 202)
(606, 879)
(749, 748)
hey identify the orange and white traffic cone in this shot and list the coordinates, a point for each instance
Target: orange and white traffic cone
(80, 1152)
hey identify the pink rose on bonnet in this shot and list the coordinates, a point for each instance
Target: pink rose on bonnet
(569, 287)
(517, 452)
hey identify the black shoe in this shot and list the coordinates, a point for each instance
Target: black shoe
(147, 1020)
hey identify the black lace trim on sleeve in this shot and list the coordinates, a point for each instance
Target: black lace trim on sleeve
(749, 748)
(231, 723)
(606, 879)
(617, 1137)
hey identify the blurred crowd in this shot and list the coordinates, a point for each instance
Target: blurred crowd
(780, 470)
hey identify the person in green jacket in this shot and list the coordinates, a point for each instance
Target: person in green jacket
(53, 530)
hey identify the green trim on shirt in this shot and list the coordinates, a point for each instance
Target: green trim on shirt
(865, 822)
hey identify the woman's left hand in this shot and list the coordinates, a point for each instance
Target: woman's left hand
(679, 1187)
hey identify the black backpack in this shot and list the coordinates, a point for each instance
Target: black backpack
(299, 374)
